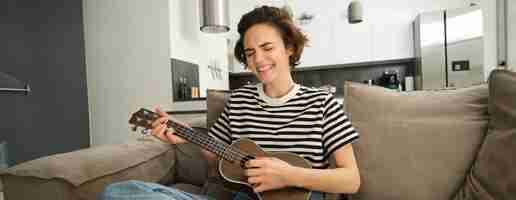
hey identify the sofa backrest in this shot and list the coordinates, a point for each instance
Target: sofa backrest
(416, 145)
(493, 176)
(215, 103)
(502, 104)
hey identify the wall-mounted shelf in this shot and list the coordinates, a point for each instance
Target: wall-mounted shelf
(185, 76)
(13, 91)
(12, 86)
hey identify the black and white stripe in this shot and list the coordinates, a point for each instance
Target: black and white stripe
(311, 123)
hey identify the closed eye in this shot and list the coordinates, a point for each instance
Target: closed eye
(249, 54)
(267, 46)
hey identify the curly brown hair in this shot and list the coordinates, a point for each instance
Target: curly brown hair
(279, 19)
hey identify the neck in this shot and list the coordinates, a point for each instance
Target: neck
(279, 88)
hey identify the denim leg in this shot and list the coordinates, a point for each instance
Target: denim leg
(313, 196)
(139, 190)
(316, 195)
(242, 196)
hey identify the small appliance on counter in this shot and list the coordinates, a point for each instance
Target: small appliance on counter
(391, 80)
(409, 83)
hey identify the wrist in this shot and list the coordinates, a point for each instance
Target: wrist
(295, 177)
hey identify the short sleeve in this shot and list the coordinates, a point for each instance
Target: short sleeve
(337, 128)
(221, 129)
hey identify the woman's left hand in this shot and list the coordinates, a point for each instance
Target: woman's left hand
(267, 173)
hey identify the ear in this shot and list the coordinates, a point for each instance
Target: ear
(290, 50)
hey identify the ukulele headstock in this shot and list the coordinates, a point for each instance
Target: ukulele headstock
(143, 118)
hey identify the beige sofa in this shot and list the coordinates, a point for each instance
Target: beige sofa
(452, 144)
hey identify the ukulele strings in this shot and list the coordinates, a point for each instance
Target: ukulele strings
(221, 148)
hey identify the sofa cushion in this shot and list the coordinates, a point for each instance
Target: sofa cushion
(493, 175)
(416, 145)
(90, 172)
(84, 165)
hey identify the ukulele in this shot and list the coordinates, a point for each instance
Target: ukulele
(232, 157)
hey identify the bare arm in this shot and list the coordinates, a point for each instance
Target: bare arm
(345, 178)
(272, 173)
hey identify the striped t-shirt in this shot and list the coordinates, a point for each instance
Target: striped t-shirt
(307, 121)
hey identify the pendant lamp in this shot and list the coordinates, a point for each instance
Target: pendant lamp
(214, 16)
(354, 12)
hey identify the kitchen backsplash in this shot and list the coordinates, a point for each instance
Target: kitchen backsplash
(336, 75)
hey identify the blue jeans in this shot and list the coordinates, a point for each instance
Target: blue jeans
(139, 190)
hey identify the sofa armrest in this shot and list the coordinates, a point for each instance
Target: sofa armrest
(83, 174)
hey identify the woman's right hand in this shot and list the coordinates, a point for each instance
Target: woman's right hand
(162, 132)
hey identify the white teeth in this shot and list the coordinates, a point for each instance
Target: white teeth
(261, 69)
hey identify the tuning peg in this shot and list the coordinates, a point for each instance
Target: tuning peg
(145, 131)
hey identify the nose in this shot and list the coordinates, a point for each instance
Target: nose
(258, 57)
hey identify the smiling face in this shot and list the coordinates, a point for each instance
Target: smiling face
(266, 55)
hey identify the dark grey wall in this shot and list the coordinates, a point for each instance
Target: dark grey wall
(42, 43)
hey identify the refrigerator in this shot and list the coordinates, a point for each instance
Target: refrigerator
(448, 47)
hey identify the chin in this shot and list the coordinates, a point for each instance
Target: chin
(265, 81)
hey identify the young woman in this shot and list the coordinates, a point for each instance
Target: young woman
(277, 114)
